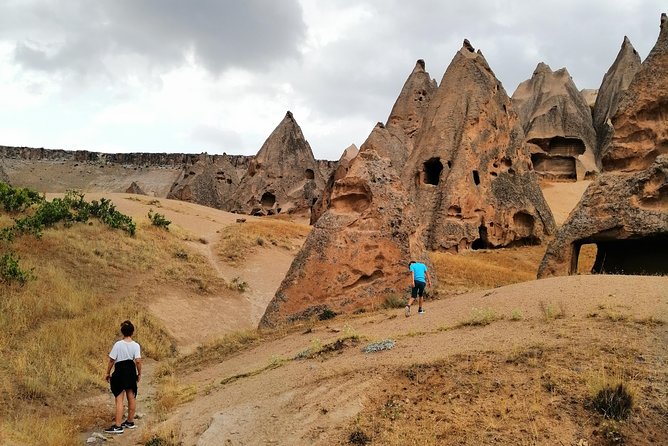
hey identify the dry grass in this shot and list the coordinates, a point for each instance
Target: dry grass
(169, 394)
(478, 270)
(534, 395)
(58, 328)
(240, 240)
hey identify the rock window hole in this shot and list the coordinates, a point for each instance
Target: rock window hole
(309, 174)
(482, 241)
(432, 171)
(268, 199)
(476, 177)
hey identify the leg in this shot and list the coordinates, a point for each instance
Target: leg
(119, 409)
(132, 405)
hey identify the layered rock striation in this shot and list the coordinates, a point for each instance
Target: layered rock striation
(210, 181)
(283, 177)
(469, 174)
(615, 82)
(358, 251)
(557, 123)
(624, 212)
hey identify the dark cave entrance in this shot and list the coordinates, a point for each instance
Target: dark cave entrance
(432, 171)
(641, 256)
(268, 200)
(482, 241)
(558, 160)
(309, 174)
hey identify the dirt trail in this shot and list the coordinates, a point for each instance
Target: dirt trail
(562, 197)
(309, 401)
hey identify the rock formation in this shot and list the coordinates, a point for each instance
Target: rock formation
(626, 216)
(283, 177)
(625, 211)
(615, 82)
(134, 188)
(557, 124)
(3, 175)
(339, 172)
(209, 181)
(640, 122)
(469, 173)
(359, 249)
(410, 107)
(589, 96)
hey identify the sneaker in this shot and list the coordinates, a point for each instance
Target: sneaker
(114, 430)
(128, 424)
(408, 310)
(421, 311)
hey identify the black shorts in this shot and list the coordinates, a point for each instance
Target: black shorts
(418, 289)
(124, 377)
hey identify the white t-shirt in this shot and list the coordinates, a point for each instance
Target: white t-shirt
(123, 350)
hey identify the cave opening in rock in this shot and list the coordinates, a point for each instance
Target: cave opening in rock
(268, 199)
(432, 171)
(476, 177)
(482, 241)
(636, 256)
(554, 167)
(309, 174)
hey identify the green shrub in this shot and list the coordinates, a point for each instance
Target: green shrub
(17, 199)
(10, 270)
(394, 301)
(326, 314)
(613, 401)
(158, 220)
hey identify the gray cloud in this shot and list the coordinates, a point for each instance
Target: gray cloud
(85, 37)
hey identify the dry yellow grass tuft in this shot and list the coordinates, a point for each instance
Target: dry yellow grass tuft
(238, 241)
(477, 270)
(58, 328)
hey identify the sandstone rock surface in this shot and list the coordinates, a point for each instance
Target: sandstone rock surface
(614, 84)
(557, 124)
(340, 171)
(359, 249)
(283, 177)
(590, 96)
(210, 181)
(625, 211)
(134, 188)
(3, 175)
(626, 216)
(410, 107)
(469, 173)
(641, 120)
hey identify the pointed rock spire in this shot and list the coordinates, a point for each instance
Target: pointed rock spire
(469, 169)
(359, 250)
(557, 123)
(283, 177)
(210, 181)
(409, 109)
(615, 82)
(640, 124)
(340, 171)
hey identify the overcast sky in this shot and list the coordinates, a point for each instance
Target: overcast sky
(218, 75)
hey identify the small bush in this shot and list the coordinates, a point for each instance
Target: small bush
(326, 314)
(516, 315)
(551, 311)
(394, 301)
(10, 270)
(613, 401)
(359, 438)
(238, 284)
(480, 317)
(158, 220)
(17, 199)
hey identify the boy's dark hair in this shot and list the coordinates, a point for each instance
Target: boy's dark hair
(127, 328)
(412, 261)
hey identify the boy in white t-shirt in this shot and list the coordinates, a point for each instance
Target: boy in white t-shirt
(125, 359)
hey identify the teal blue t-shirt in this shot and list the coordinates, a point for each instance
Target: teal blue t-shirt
(419, 271)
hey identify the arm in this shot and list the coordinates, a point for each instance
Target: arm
(110, 365)
(412, 279)
(428, 279)
(138, 365)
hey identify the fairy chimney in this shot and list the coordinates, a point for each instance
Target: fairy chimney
(410, 107)
(283, 177)
(210, 181)
(134, 188)
(470, 171)
(615, 82)
(557, 125)
(640, 122)
(624, 212)
(358, 251)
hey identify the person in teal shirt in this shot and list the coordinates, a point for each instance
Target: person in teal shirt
(419, 279)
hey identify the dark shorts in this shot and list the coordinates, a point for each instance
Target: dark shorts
(418, 289)
(124, 377)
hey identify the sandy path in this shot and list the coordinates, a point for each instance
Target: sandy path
(307, 401)
(562, 197)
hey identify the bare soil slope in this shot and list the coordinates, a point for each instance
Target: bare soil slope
(514, 365)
